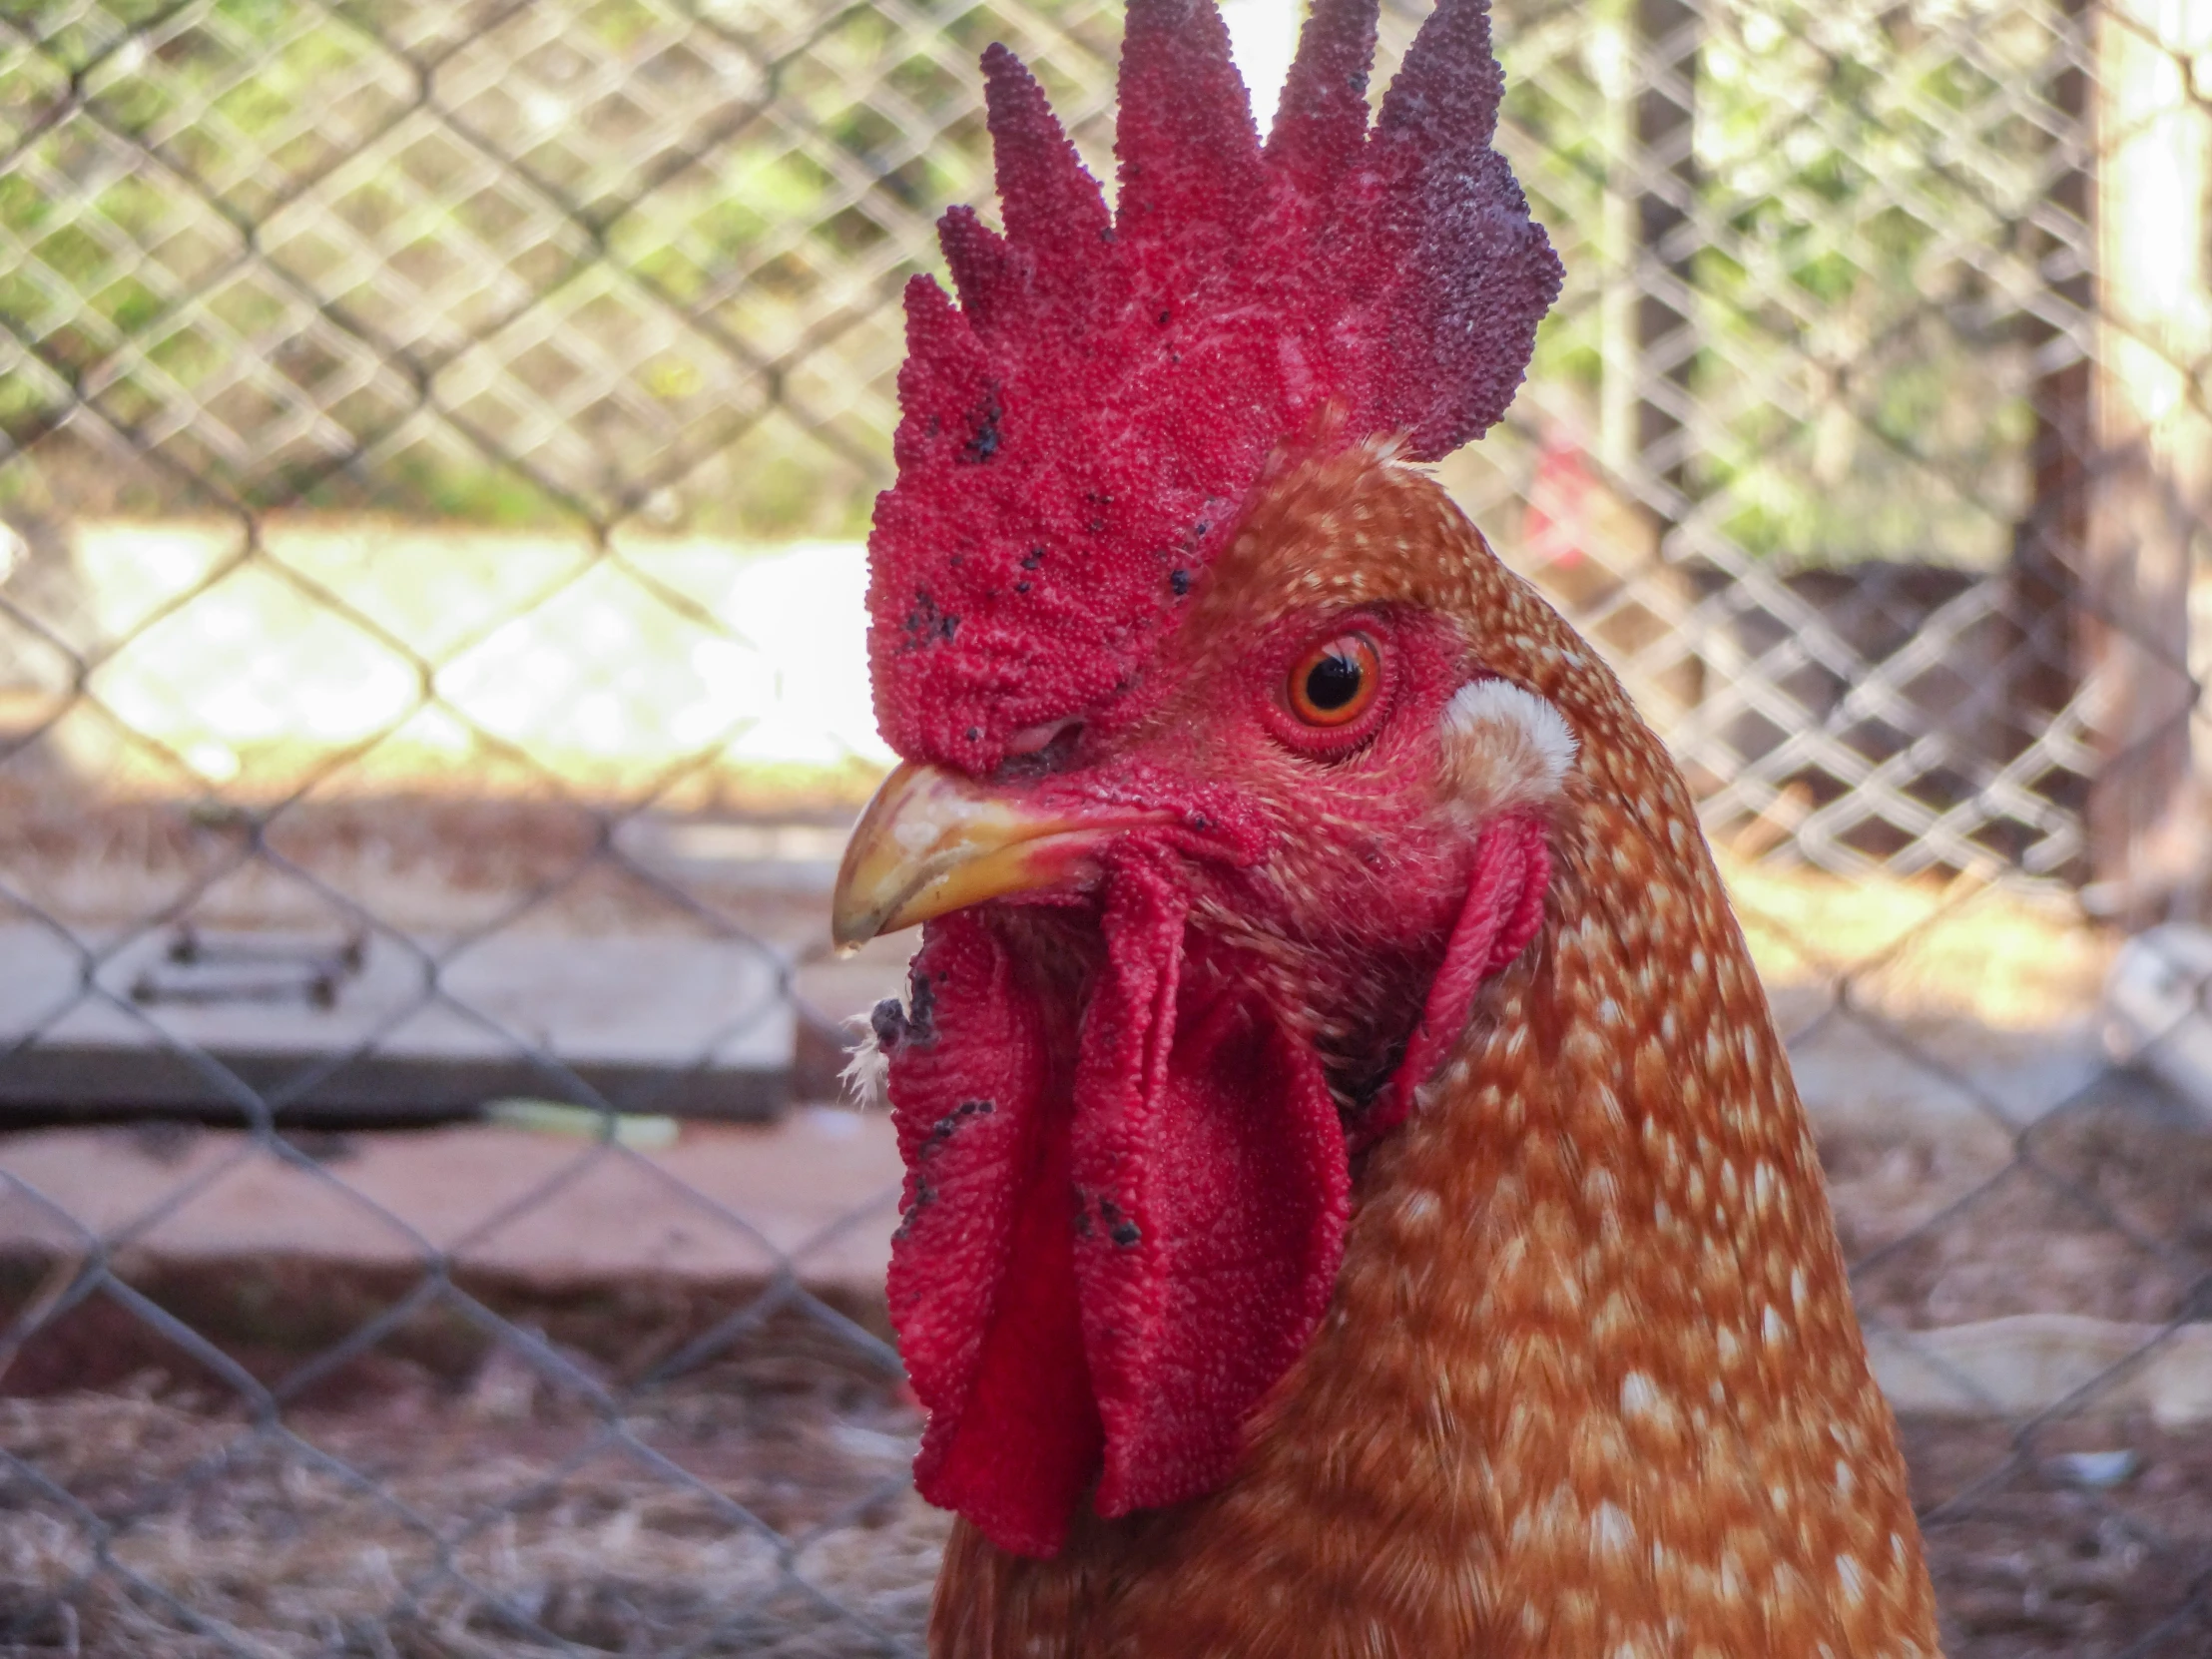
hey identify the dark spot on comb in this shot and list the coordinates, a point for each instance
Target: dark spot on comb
(1120, 1229)
(1180, 581)
(1033, 558)
(923, 621)
(1021, 587)
(925, 1196)
(887, 1019)
(1164, 318)
(976, 733)
(947, 625)
(982, 444)
(942, 1130)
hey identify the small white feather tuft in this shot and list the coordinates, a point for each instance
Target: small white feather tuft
(1505, 747)
(868, 1075)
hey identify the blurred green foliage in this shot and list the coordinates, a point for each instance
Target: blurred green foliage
(1869, 184)
(616, 259)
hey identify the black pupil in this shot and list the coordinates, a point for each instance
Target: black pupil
(1333, 682)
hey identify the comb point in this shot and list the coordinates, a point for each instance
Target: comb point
(982, 266)
(1189, 152)
(1321, 124)
(944, 374)
(1443, 105)
(1053, 208)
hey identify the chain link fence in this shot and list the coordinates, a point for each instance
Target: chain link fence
(435, 444)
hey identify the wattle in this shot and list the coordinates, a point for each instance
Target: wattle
(1100, 1291)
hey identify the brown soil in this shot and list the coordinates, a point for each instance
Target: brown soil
(2098, 1210)
(683, 1467)
(506, 1515)
(2031, 1565)
(456, 1499)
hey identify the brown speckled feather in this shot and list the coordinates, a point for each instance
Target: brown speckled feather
(1591, 1385)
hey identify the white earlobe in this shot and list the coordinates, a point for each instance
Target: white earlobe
(1504, 747)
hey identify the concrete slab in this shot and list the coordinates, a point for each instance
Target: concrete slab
(820, 1187)
(2034, 1362)
(1936, 1078)
(374, 1023)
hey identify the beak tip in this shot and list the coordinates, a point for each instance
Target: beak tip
(850, 932)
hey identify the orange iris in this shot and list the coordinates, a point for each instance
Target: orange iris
(1335, 682)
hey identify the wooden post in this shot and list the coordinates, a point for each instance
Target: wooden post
(2153, 478)
(2043, 655)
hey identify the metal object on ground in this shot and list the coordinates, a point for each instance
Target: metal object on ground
(2159, 1009)
(379, 1027)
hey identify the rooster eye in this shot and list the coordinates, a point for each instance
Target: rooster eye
(1335, 682)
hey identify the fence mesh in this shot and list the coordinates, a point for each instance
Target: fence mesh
(435, 440)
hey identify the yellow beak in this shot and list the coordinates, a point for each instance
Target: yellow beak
(932, 843)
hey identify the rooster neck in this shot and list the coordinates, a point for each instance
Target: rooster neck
(1599, 1322)
(1591, 1383)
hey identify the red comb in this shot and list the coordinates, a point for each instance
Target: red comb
(1079, 433)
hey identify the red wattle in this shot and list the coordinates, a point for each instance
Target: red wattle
(1017, 1458)
(1504, 910)
(1100, 1271)
(1214, 1183)
(981, 1285)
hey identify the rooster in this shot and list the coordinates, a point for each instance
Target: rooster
(1357, 1203)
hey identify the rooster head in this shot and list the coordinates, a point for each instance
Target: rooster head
(1229, 749)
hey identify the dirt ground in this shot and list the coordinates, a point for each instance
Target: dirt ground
(624, 1533)
(435, 1505)
(633, 1530)
(681, 1465)
(2028, 1564)
(2101, 1210)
